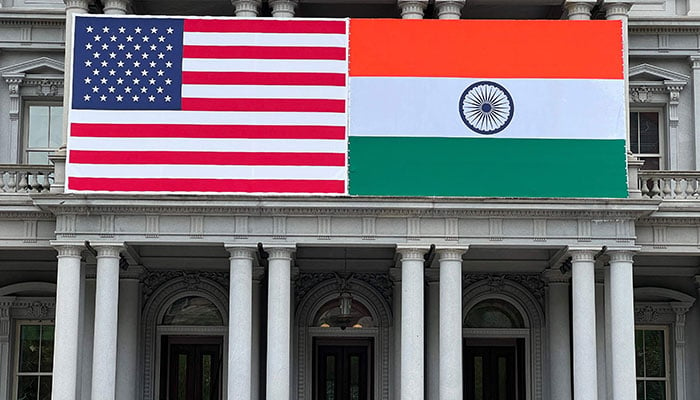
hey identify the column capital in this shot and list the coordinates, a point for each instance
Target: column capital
(449, 9)
(76, 5)
(451, 253)
(579, 10)
(241, 252)
(694, 62)
(280, 252)
(625, 255)
(616, 10)
(115, 6)
(583, 254)
(107, 249)
(411, 253)
(554, 276)
(246, 8)
(283, 8)
(68, 249)
(412, 9)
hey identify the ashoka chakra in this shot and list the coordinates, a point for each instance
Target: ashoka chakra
(486, 107)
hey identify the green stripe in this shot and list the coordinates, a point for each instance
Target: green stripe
(491, 167)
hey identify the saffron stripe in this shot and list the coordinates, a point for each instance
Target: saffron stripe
(265, 52)
(264, 78)
(206, 185)
(265, 26)
(208, 131)
(262, 105)
(206, 158)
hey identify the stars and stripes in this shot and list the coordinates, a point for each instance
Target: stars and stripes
(208, 105)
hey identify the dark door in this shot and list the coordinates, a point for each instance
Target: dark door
(343, 372)
(494, 372)
(193, 368)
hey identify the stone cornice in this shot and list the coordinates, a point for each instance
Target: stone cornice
(359, 206)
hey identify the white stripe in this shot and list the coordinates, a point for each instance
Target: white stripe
(204, 171)
(206, 144)
(543, 108)
(256, 65)
(263, 92)
(206, 117)
(264, 39)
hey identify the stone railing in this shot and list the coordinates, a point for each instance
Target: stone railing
(667, 185)
(21, 178)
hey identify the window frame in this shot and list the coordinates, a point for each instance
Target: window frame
(663, 140)
(667, 359)
(24, 148)
(16, 348)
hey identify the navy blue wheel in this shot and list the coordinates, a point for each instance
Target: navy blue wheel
(486, 107)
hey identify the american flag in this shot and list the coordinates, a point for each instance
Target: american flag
(203, 105)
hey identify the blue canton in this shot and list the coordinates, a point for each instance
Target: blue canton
(127, 63)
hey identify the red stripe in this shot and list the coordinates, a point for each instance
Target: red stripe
(284, 105)
(264, 26)
(263, 78)
(265, 52)
(209, 131)
(207, 185)
(206, 158)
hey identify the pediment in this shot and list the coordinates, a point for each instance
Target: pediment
(648, 72)
(37, 66)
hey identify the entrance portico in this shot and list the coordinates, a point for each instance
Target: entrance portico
(340, 264)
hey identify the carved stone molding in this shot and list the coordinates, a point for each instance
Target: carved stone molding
(579, 10)
(247, 8)
(497, 283)
(305, 282)
(412, 9)
(152, 281)
(283, 8)
(449, 9)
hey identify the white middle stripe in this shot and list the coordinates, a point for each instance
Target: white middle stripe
(214, 145)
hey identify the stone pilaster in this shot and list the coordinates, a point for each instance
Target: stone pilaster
(695, 65)
(246, 8)
(412, 9)
(14, 83)
(449, 9)
(283, 8)
(558, 325)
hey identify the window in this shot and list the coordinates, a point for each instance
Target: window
(193, 310)
(645, 138)
(651, 348)
(43, 125)
(494, 313)
(34, 360)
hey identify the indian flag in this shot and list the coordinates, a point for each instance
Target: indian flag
(486, 108)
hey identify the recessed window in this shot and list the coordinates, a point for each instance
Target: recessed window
(494, 313)
(645, 138)
(34, 360)
(43, 125)
(652, 367)
(193, 310)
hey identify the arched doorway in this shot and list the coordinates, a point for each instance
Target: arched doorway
(503, 331)
(185, 340)
(342, 342)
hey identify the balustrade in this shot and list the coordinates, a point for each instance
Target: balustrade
(667, 185)
(20, 178)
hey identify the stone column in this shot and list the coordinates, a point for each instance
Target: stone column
(283, 8)
(619, 11)
(247, 8)
(601, 327)
(432, 334)
(579, 10)
(104, 356)
(240, 325)
(695, 65)
(559, 334)
(258, 275)
(59, 158)
(622, 326)
(279, 321)
(412, 319)
(128, 338)
(5, 349)
(584, 325)
(412, 9)
(449, 9)
(450, 323)
(115, 7)
(395, 274)
(66, 331)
